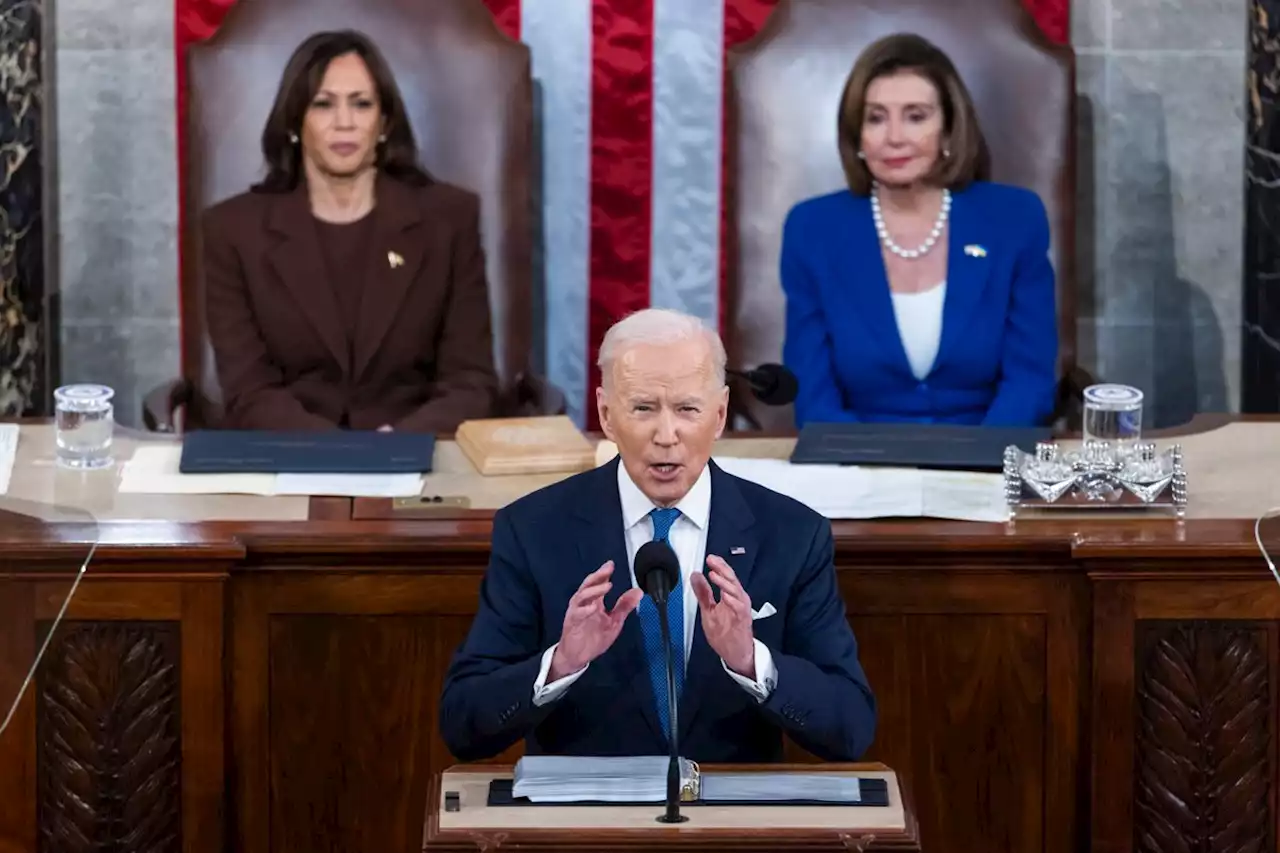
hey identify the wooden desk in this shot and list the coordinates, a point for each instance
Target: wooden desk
(1101, 683)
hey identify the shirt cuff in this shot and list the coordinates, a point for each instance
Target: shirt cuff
(543, 692)
(766, 674)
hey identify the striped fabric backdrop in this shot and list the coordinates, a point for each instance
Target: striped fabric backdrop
(631, 125)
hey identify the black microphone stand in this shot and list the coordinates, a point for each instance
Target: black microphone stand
(672, 815)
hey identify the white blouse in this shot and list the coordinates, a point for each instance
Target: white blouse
(919, 318)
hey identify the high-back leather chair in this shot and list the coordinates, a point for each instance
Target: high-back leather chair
(469, 95)
(784, 96)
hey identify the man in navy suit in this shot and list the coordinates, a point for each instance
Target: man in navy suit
(556, 654)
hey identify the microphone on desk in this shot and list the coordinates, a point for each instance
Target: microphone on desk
(771, 384)
(657, 572)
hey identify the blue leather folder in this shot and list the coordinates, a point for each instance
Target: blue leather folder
(337, 452)
(948, 447)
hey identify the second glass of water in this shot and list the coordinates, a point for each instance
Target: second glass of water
(1113, 413)
(83, 425)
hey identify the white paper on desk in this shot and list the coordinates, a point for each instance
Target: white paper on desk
(965, 495)
(153, 470)
(13, 434)
(836, 491)
(780, 787)
(350, 485)
(860, 492)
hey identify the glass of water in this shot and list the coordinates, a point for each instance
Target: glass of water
(1113, 413)
(83, 425)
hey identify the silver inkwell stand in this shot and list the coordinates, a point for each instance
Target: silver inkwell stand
(1112, 468)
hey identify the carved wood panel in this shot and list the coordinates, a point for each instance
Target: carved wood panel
(1202, 757)
(108, 735)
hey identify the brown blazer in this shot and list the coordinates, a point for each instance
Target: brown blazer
(423, 350)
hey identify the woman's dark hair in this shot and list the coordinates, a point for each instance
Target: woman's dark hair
(397, 156)
(969, 159)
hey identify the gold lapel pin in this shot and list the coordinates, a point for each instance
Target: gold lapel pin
(395, 259)
(973, 250)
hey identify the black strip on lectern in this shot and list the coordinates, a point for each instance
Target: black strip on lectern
(875, 792)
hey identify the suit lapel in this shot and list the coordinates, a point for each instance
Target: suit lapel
(731, 535)
(967, 274)
(868, 292)
(299, 263)
(601, 537)
(395, 256)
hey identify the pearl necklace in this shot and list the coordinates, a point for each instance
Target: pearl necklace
(943, 213)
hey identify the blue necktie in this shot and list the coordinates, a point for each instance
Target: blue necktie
(652, 627)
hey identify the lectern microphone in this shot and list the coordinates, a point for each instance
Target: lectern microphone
(657, 572)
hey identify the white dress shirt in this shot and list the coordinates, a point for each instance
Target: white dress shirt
(919, 317)
(688, 538)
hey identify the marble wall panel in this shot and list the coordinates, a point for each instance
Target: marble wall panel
(118, 195)
(1177, 25)
(28, 311)
(1261, 350)
(132, 357)
(1161, 86)
(1092, 186)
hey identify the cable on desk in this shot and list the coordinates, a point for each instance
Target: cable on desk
(44, 647)
(1257, 537)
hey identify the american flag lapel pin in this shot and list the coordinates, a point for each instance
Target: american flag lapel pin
(737, 549)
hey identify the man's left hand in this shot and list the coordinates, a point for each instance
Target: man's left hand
(727, 624)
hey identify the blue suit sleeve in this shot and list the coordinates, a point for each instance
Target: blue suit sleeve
(487, 700)
(806, 348)
(1028, 362)
(822, 698)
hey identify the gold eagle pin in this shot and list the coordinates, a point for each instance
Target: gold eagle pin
(973, 250)
(395, 260)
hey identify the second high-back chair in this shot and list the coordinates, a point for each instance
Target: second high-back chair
(785, 87)
(469, 94)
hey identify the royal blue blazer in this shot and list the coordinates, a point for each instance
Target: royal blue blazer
(997, 360)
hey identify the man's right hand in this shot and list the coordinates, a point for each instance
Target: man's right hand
(589, 630)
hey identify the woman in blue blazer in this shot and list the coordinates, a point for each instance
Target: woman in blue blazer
(923, 293)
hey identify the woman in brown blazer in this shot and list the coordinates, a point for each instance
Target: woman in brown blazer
(347, 289)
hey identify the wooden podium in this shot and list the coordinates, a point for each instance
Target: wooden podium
(475, 826)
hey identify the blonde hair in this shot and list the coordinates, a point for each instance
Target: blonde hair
(659, 326)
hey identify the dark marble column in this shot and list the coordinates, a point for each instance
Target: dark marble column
(28, 330)
(1260, 359)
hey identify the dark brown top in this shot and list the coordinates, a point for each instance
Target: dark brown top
(346, 247)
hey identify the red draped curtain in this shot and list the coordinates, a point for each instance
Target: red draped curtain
(619, 275)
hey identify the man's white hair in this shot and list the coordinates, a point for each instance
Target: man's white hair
(658, 326)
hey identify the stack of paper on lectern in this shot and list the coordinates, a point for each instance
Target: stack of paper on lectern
(775, 787)
(643, 779)
(573, 779)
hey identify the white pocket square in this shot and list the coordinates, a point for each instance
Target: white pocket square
(763, 613)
